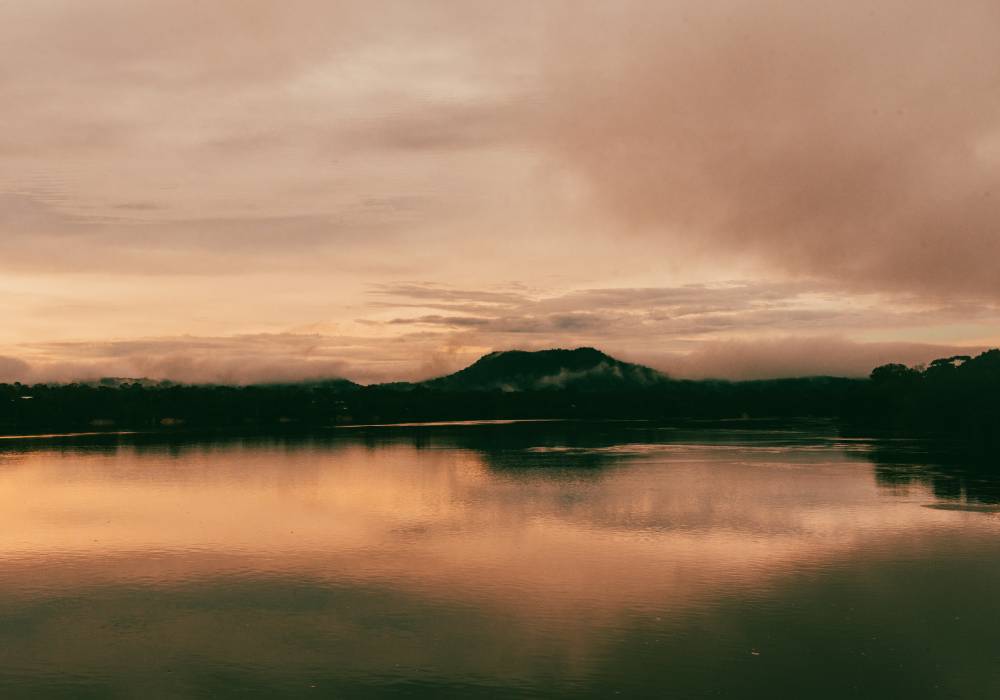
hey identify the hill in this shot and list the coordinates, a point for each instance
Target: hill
(582, 369)
(953, 397)
(958, 396)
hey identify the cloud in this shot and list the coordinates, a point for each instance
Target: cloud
(36, 236)
(859, 144)
(13, 369)
(651, 314)
(798, 356)
(556, 173)
(856, 143)
(424, 291)
(232, 360)
(736, 330)
(438, 320)
(291, 357)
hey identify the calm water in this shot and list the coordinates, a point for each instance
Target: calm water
(525, 560)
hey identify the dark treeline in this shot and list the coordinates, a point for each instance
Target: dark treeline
(957, 396)
(135, 406)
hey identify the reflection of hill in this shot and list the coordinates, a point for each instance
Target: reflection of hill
(574, 449)
(947, 470)
(464, 561)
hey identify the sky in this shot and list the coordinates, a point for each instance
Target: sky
(256, 190)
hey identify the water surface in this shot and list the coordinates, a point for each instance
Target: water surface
(519, 560)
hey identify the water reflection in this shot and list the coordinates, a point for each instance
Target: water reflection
(943, 469)
(532, 560)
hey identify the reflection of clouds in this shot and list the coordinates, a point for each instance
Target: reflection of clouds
(944, 469)
(411, 554)
(438, 516)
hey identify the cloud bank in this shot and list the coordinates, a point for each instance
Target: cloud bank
(854, 142)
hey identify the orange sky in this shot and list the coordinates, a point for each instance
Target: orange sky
(246, 190)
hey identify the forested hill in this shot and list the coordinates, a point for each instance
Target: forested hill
(578, 383)
(957, 396)
(582, 369)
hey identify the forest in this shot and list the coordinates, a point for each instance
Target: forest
(955, 396)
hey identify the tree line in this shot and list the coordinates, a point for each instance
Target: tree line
(956, 395)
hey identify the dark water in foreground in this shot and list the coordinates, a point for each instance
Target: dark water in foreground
(528, 560)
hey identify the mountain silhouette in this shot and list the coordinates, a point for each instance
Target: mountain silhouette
(582, 369)
(953, 399)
